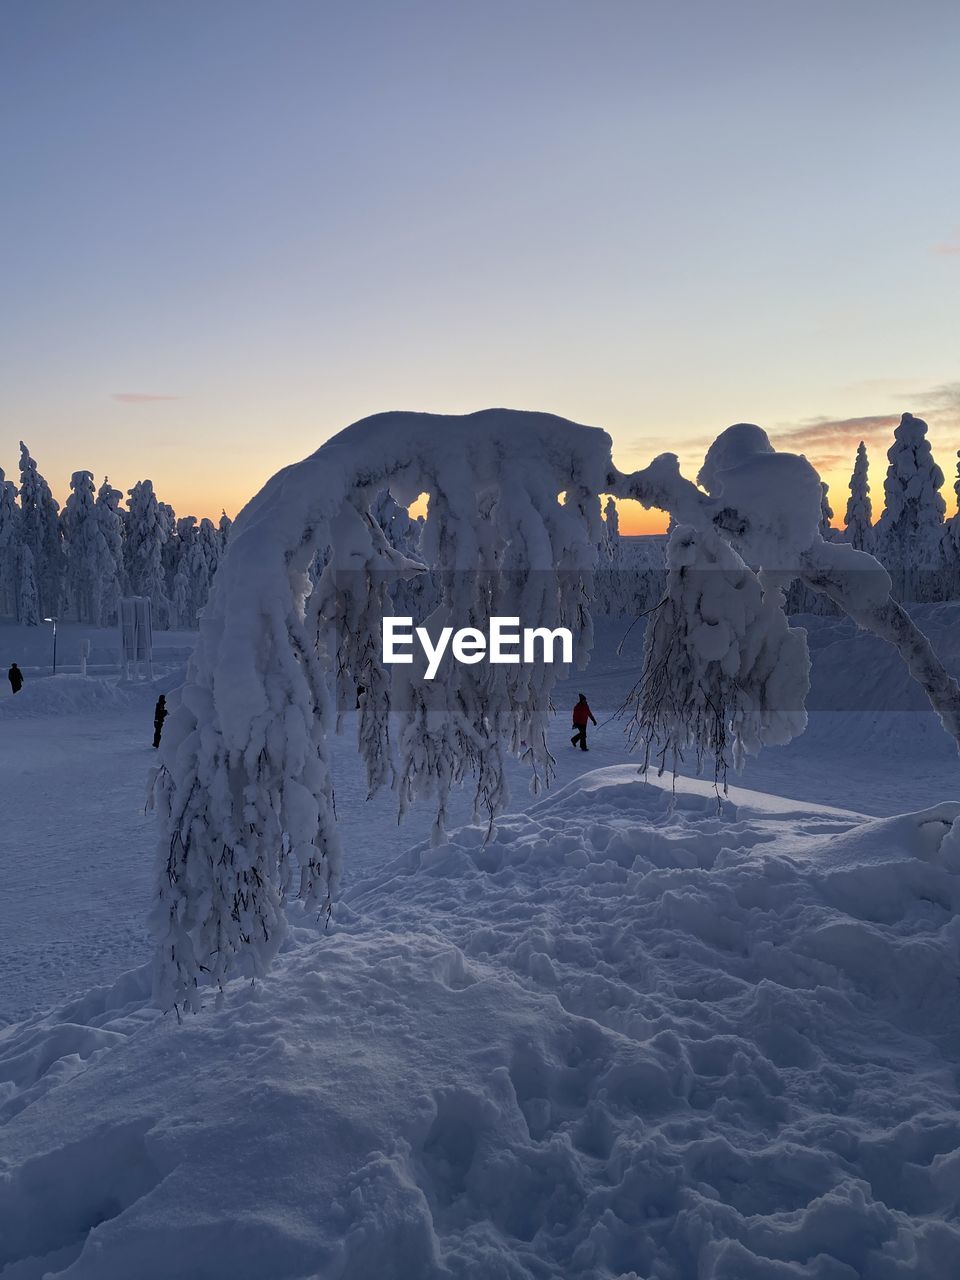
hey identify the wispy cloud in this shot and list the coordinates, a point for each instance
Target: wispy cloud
(941, 401)
(829, 441)
(139, 397)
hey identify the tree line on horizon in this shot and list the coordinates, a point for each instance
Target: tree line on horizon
(76, 563)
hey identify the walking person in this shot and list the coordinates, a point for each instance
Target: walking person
(159, 715)
(581, 715)
(15, 676)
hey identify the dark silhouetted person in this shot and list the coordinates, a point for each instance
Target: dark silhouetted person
(581, 715)
(15, 676)
(159, 715)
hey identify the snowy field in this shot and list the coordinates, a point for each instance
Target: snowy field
(75, 756)
(631, 1037)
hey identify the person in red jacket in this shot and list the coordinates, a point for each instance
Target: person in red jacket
(581, 714)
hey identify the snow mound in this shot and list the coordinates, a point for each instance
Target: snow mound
(69, 695)
(629, 1036)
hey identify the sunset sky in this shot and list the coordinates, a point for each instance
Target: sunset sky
(228, 228)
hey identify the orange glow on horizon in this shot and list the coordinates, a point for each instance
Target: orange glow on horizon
(634, 519)
(189, 494)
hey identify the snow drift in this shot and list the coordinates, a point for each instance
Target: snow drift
(69, 695)
(625, 1038)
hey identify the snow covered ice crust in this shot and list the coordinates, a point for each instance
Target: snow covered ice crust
(625, 1038)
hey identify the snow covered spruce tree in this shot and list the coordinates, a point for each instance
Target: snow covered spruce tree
(83, 573)
(169, 551)
(244, 787)
(827, 531)
(608, 581)
(197, 557)
(858, 524)
(611, 530)
(182, 610)
(908, 533)
(146, 534)
(210, 553)
(223, 530)
(9, 544)
(110, 551)
(40, 534)
(28, 593)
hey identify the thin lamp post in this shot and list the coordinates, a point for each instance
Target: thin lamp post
(54, 621)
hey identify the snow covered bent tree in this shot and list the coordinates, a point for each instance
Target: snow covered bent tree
(512, 529)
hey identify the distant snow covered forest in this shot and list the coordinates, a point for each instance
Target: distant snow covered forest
(76, 562)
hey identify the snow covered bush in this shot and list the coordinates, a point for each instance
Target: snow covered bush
(244, 789)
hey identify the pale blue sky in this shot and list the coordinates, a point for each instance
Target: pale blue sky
(654, 217)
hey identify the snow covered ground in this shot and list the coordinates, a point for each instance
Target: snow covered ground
(628, 1038)
(631, 1037)
(78, 846)
(76, 851)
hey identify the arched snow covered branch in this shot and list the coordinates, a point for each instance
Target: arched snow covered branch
(244, 790)
(513, 525)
